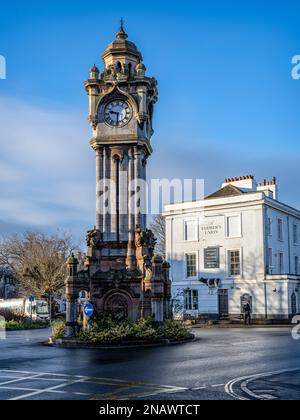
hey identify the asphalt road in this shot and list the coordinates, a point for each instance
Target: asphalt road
(257, 363)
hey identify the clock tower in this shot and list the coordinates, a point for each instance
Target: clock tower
(123, 276)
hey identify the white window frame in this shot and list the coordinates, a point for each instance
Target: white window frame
(269, 226)
(239, 216)
(186, 267)
(296, 259)
(185, 221)
(296, 234)
(280, 266)
(229, 262)
(280, 232)
(191, 302)
(270, 258)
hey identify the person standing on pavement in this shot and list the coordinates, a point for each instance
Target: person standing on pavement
(247, 313)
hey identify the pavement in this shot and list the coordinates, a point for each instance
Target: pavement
(232, 363)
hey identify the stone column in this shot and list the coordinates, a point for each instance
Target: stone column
(138, 193)
(106, 196)
(130, 261)
(157, 289)
(114, 162)
(99, 189)
(71, 316)
(157, 307)
(123, 198)
(144, 177)
(71, 297)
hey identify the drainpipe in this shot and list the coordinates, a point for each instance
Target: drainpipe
(266, 300)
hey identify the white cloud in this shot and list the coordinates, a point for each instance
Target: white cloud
(46, 166)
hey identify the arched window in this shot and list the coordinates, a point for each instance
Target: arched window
(119, 67)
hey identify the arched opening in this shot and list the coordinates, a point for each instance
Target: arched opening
(118, 307)
(130, 69)
(118, 67)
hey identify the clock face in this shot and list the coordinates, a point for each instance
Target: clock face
(117, 113)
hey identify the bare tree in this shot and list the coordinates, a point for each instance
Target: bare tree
(158, 227)
(37, 260)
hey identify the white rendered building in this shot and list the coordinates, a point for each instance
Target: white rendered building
(238, 245)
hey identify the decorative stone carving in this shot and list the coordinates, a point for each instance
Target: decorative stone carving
(93, 238)
(145, 239)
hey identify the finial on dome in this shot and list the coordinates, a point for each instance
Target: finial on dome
(122, 34)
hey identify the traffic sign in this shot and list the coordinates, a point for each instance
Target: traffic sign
(88, 309)
(31, 299)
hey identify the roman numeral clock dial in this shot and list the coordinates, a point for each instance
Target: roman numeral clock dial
(117, 113)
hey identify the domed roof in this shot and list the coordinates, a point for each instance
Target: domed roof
(141, 66)
(94, 69)
(121, 46)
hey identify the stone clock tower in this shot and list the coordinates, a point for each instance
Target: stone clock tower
(122, 276)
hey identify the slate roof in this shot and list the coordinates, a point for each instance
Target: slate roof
(228, 191)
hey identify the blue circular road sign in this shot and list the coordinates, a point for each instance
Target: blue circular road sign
(88, 309)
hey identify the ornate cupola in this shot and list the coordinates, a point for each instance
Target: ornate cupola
(121, 51)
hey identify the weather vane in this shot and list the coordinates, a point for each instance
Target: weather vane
(122, 34)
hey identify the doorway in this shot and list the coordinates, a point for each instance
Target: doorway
(223, 303)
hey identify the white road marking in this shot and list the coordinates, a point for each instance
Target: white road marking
(13, 388)
(24, 378)
(171, 390)
(17, 388)
(247, 379)
(244, 343)
(42, 391)
(25, 372)
(66, 380)
(218, 385)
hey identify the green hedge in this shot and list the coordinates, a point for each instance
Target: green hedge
(21, 325)
(107, 331)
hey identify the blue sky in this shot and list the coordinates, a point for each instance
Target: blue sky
(228, 105)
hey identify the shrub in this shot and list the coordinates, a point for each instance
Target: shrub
(173, 330)
(107, 331)
(58, 328)
(144, 330)
(13, 325)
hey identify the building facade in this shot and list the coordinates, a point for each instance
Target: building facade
(238, 245)
(122, 275)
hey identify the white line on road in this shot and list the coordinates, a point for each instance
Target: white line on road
(244, 343)
(42, 391)
(72, 379)
(24, 378)
(229, 387)
(13, 388)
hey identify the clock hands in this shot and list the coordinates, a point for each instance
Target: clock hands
(117, 114)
